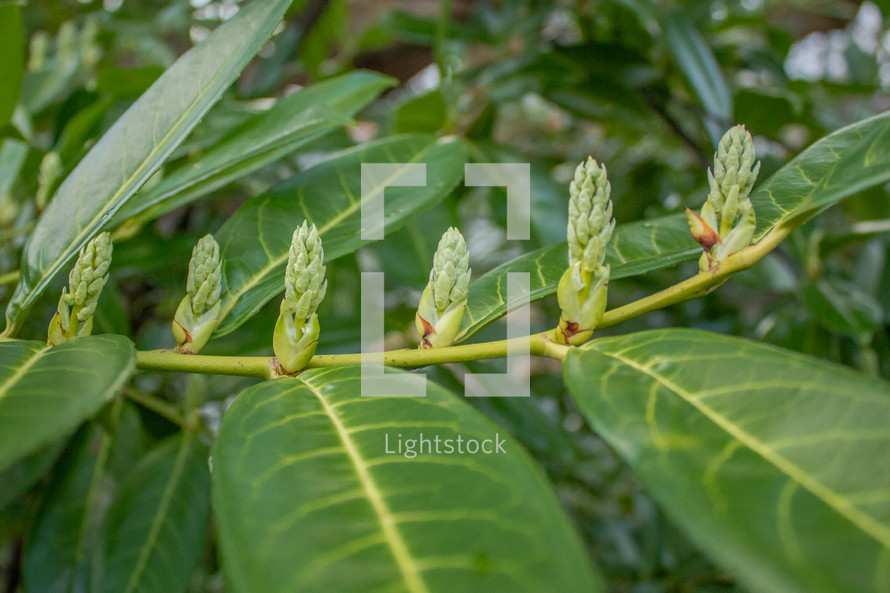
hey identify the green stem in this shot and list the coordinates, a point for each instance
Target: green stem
(703, 282)
(155, 404)
(262, 367)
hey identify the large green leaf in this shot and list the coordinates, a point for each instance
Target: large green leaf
(12, 48)
(775, 463)
(56, 555)
(306, 497)
(262, 139)
(46, 393)
(839, 165)
(135, 146)
(255, 240)
(155, 529)
(635, 248)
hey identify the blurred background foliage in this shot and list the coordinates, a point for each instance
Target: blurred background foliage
(646, 87)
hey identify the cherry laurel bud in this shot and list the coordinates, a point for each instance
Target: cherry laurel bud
(74, 314)
(583, 287)
(297, 329)
(728, 214)
(444, 299)
(198, 312)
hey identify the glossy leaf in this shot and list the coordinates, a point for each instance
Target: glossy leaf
(698, 63)
(45, 393)
(635, 248)
(773, 462)
(57, 556)
(262, 139)
(12, 48)
(307, 499)
(839, 165)
(155, 529)
(135, 146)
(255, 240)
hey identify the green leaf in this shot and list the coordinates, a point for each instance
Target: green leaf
(839, 165)
(844, 308)
(12, 48)
(56, 555)
(46, 393)
(155, 529)
(698, 63)
(773, 462)
(135, 146)
(635, 248)
(255, 240)
(289, 124)
(27, 471)
(307, 499)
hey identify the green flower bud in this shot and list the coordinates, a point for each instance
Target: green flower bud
(198, 312)
(74, 314)
(583, 288)
(727, 219)
(297, 329)
(444, 299)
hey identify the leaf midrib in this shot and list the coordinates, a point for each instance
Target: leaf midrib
(159, 518)
(404, 561)
(831, 498)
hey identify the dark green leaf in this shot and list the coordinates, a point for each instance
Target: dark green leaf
(57, 554)
(262, 139)
(155, 529)
(135, 146)
(839, 165)
(307, 499)
(697, 61)
(46, 393)
(843, 308)
(775, 463)
(255, 240)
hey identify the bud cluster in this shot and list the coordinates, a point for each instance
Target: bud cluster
(582, 290)
(444, 299)
(727, 221)
(198, 312)
(297, 329)
(74, 314)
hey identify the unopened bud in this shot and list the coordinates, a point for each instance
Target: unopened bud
(198, 312)
(74, 314)
(296, 332)
(444, 299)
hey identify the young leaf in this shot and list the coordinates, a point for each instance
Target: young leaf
(45, 393)
(255, 240)
(155, 529)
(768, 459)
(307, 498)
(135, 146)
(289, 124)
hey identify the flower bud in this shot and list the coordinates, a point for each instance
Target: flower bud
(444, 299)
(74, 314)
(198, 312)
(297, 329)
(728, 214)
(582, 290)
